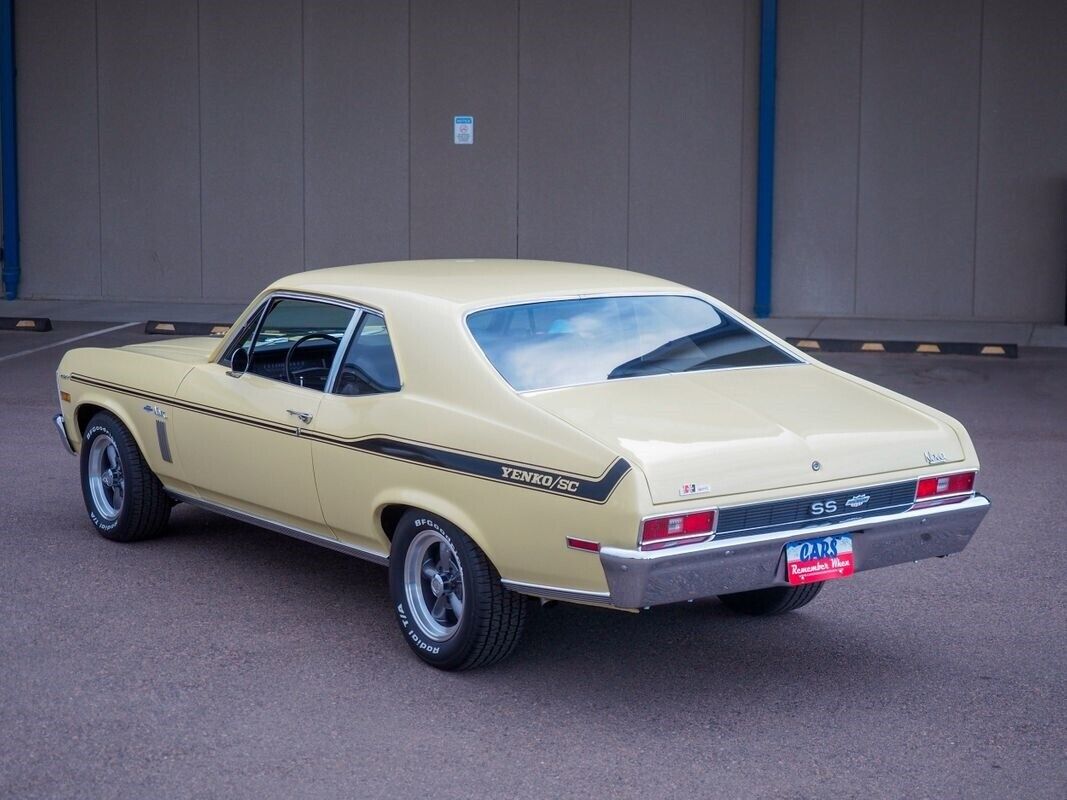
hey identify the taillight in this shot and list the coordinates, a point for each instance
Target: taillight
(676, 530)
(943, 489)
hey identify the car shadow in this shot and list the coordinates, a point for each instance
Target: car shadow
(685, 654)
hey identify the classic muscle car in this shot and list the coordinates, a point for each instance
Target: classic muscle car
(496, 431)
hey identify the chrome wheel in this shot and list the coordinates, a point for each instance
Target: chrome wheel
(107, 485)
(433, 585)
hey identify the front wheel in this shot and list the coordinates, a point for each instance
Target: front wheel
(451, 607)
(125, 500)
(774, 600)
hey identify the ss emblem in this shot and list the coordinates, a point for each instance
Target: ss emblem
(824, 507)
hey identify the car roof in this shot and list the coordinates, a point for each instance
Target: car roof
(471, 281)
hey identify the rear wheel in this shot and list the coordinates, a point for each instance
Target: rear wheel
(451, 607)
(125, 500)
(774, 600)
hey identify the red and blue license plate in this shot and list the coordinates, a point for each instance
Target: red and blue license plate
(813, 560)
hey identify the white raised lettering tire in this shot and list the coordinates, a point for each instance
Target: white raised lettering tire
(449, 602)
(124, 498)
(775, 600)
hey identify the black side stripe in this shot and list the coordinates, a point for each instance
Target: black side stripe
(255, 422)
(595, 490)
(591, 489)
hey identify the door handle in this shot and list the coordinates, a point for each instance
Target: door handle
(303, 416)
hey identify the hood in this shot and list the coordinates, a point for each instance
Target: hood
(193, 350)
(746, 430)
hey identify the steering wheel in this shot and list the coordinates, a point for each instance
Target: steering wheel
(300, 341)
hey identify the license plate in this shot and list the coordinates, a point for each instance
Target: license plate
(813, 560)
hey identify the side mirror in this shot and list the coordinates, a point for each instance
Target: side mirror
(238, 362)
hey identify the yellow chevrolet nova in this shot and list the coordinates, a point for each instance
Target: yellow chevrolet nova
(499, 430)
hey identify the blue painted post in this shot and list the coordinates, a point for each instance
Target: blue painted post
(8, 151)
(768, 64)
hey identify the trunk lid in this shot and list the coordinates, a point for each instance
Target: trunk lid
(746, 430)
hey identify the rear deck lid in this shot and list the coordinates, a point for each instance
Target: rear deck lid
(727, 432)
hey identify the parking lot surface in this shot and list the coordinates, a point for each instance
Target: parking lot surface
(226, 661)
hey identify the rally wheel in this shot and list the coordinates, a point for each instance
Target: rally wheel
(125, 500)
(451, 607)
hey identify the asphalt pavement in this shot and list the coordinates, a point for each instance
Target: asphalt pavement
(226, 661)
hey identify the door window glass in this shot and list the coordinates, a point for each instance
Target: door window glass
(369, 366)
(298, 341)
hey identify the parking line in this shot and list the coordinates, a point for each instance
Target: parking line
(100, 332)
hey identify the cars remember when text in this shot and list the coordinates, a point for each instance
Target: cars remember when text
(499, 430)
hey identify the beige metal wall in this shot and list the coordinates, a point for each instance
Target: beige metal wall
(922, 159)
(195, 150)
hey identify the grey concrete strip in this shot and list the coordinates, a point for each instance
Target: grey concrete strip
(1049, 336)
(789, 326)
(921, 330)
(72, 339)
(122, 311)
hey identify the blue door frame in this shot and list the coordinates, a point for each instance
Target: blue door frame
(768, 65)
(8, 151)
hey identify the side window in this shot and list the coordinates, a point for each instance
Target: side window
(369, 366)
(297, 342)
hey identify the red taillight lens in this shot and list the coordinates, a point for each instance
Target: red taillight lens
(945, 484)
(944, 489)
(583, 544)
(680, 529)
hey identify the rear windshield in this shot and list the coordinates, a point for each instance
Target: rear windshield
(569, 342)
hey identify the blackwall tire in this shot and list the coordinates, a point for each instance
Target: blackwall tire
(449, 602)
(775, 600)
(125, 500)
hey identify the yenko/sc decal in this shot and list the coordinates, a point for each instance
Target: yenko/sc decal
(540, 479)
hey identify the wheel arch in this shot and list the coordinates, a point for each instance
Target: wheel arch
(89, 408)
(391, 510)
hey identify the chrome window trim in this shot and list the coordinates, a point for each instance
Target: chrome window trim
(797, 357)
(342, 349)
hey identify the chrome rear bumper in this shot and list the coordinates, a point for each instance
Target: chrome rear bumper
(637, 579)
(61, 425)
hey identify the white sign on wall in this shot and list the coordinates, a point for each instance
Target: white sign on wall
(463, 130)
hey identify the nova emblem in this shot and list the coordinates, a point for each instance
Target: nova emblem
(858, 500)
(935, 458)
